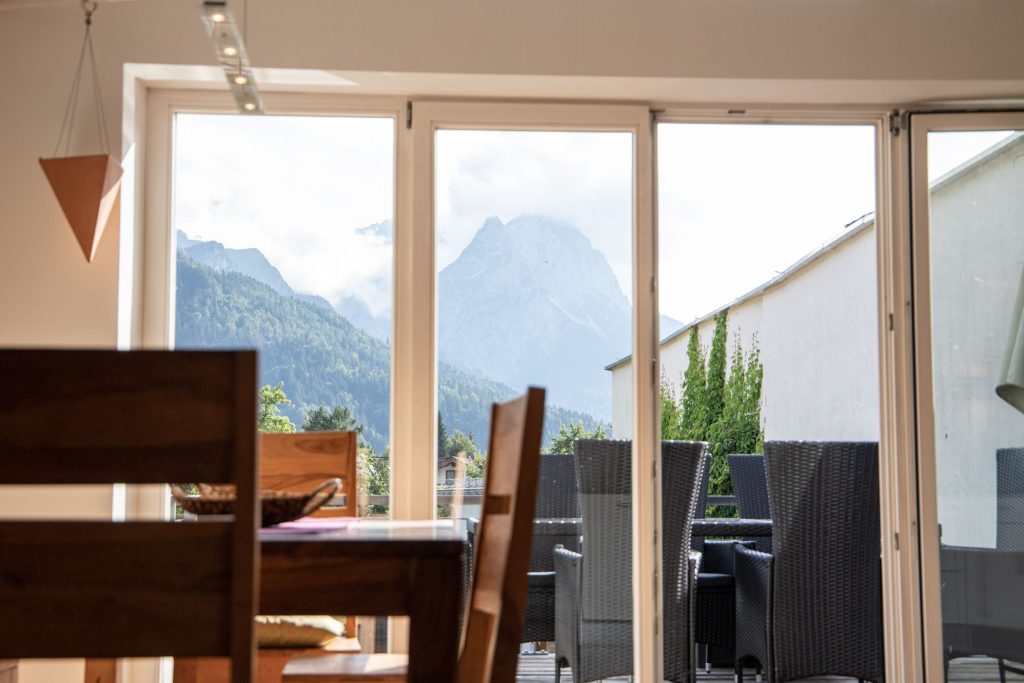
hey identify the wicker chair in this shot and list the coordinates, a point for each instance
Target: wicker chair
(814, 607)
(593, 596)
(751, 489)
(556, 499)
(714, 628)
(981, 587)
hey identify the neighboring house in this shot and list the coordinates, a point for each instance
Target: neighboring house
(452, 469)
(818, 331)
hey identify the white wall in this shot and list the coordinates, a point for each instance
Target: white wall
(977, 246)
(817, 335)
(819, 348)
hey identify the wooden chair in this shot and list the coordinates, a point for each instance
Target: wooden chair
(293, 462)
(494, 619)
(146, 589)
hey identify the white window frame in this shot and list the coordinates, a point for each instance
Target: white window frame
(427, 118)
(146, 235)
(896, 467)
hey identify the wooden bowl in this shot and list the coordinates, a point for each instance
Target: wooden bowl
(277, 506)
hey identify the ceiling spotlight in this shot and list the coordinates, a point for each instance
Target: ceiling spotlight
(229, 44)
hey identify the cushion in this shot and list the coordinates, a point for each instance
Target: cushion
(297, 630)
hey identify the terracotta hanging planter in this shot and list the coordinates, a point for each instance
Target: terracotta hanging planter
(86, 188)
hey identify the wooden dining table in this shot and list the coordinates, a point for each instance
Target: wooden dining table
(372, 568)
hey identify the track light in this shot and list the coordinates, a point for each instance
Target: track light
(229, 45)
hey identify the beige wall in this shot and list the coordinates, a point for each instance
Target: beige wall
(52, 297)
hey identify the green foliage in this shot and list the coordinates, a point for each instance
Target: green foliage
(671, 411)
(721, 408)
(339, 419)
(692, 413)
(563, 443)
(459, 444)
(714, 393)
(270, 399)
(739, 428)
(375, 475)
(442, 434)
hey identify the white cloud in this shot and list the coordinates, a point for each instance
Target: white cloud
(296, 188)
(738, 202)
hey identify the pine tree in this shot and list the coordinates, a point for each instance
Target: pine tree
(692, 418)
(714, 398)
(442, 435)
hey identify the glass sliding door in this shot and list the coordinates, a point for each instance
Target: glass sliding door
(769, 335)
(968, 231)
(535, 226)
(282, 235)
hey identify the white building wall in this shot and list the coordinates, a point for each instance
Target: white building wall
(977, 245)
(817, 335)
(820, 348)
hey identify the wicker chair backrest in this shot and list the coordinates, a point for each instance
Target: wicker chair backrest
(557, 496)
(700, 503)
(604, 472)
(827, 599)
(750, 486)
(1010, 499)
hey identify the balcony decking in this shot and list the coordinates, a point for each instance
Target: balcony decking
(541, 669)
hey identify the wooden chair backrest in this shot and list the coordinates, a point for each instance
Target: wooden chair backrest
(502, 554)
(301, 461)
(105, 589)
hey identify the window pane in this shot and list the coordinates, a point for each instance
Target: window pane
(976, 251)
(769, 334)
(283, 239)
(534, 285)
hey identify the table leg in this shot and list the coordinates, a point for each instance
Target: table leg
(434, 611)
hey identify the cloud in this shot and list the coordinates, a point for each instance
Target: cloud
(297, 189)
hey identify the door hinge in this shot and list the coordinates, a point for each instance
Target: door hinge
(892, 324)
(896, 539)
(408, 114)
(898, 120)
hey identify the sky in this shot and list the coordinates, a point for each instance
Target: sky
(738, 203)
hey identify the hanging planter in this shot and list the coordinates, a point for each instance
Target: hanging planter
(86, 186)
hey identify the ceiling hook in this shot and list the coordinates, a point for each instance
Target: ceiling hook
(89, 6)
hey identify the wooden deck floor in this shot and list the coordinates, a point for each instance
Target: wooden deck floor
(541, 669)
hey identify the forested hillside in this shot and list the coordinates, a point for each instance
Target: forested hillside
(321, 358)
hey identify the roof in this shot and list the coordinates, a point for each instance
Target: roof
(859, 226)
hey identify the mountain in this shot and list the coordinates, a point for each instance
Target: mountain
(321, 357)
(249, 262)
(532, 302)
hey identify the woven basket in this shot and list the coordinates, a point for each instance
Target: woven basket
(277, 506)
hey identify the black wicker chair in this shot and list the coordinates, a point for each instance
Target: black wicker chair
(751, 490)
(983, 588)
(557, 499)
(593, 596)
(814, 606)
